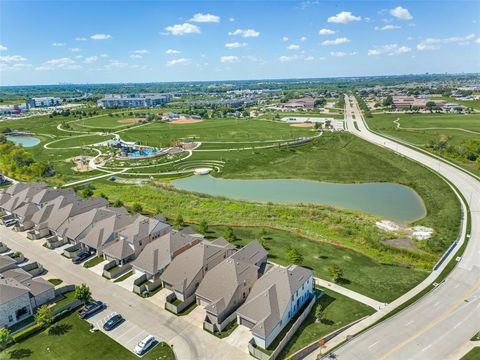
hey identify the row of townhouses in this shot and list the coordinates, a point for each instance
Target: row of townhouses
(230, 284)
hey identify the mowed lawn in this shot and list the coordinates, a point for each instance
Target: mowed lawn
(70, 339)
(116, 121)
(473, 354)
(166, 134)
(338, 311)
(76, 140)
(381, 282)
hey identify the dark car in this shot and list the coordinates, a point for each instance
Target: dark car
(91, 309)
(113, 322)
(80, 257)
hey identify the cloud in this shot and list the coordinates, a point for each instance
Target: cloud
(141, 51)
(12, 58)
(180, 61)
(90, 59)
(103, 55)
(205, 18)
(229, 59)
(172, 51)
(326, 32)
(231, 19)
(303, 38)
(388, 27)
(75, 49)
(293, 47)
(338, 53)
(337, 41)
(3, 48)
(55, 44)
(343, 17)
(81, 38)
(401, 13)
(247, 33)
(64, 63)
(115, 64)
(296, 57)
(436, 43)
(100, 37)
(284, 38)
(14, 67)
(182, 29)
(136, 56)
(235, 45)
(389, 49)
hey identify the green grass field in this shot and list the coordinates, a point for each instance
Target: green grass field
(415, 130)
(70, 339)
(473, 354)
(338, 311)
(160, 133)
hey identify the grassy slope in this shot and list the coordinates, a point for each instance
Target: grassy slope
(473, 354)
(342, 157)
(338, 311)
(72, 340)
(384, 123)
(362, 274)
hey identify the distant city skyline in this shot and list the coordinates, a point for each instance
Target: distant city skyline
(49, 42)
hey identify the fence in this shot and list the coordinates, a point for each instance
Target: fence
(142, 285)
(33, 268)
(170, 306)
(64, 289)
(111, 270)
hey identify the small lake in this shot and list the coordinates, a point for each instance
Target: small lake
(388, 200)
(25, 141)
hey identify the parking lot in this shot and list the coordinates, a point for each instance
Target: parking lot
(127, 333)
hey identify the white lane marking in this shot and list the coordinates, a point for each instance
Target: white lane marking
(438, 302)
(375, 343)
(409, 323)
(426, 348)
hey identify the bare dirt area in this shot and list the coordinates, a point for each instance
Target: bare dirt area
(130, 120)
(186, 121)
(81, 163)
(303, 125)
(405, 243)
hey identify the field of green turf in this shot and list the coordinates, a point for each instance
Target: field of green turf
(473, 354)
(381, 282)
(67, 142)
(444, 126)
(70, 339)
(160, 133)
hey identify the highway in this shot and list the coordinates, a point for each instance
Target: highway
(439, 325)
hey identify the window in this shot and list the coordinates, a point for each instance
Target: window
(10, 318)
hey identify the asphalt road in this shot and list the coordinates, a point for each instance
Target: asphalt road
(440, 324)
(189, 341)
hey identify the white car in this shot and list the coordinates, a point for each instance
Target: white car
(144, 345)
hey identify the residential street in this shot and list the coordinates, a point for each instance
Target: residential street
(189, 341)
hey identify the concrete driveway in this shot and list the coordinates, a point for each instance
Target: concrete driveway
(196, 317)
(159, 298)
(128, 282)
(97, 269)
(240, 338)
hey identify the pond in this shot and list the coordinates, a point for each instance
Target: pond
(387, 200)
(25, 141)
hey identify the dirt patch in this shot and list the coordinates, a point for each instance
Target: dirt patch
(303, 125)
(186, 121)
(130, 120)
(81, 163)
(404, 243)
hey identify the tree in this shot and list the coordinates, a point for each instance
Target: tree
(430, 105)
(4, 338)
(87, 192)
(388, 101)
(43, 316)
(203, 227)
(179, 221)
(319, 312)
(137, 208)
(294, 256)
(335, 272)
(83, 293)
(229, 235)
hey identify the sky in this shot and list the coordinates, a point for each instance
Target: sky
(50, 42)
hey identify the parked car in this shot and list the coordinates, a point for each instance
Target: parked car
(80, 257)
(113, 322)
(91, 309)
(143, 345)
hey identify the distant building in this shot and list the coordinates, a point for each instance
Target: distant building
(133, 100)
(41, 102)
(303, 103)
(13, 109)
(408, 102)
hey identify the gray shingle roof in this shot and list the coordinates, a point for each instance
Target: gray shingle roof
(186, 266)
(11, 289)
(270, 296)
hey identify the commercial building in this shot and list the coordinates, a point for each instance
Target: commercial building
(41, 102)
(133, 100)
